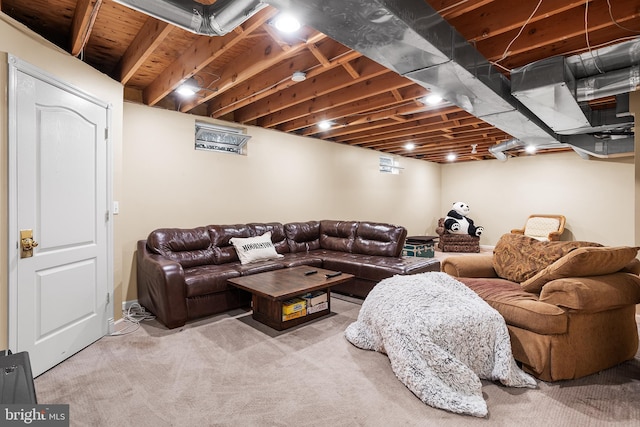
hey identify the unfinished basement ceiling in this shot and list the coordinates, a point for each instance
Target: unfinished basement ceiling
(246, 72)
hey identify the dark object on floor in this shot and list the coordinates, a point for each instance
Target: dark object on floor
(16, 379)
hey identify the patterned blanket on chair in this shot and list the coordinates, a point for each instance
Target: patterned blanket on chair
(441, 339)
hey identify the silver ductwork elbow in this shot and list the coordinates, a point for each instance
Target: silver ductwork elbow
(216, 19)
(498, 150)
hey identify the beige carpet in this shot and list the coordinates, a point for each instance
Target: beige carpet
(228, 370)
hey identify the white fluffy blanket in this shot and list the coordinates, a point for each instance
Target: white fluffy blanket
(440, 337)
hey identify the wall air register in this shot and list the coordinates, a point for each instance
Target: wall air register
(222, 139)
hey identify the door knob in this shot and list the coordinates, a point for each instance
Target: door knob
(27, 243)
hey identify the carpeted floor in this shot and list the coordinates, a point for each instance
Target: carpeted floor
(228, 370)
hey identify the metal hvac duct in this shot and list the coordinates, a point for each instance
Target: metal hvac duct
(411, 38)
(550, 90)
(211, 20)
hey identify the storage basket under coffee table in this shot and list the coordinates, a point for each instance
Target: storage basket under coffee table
(270, 289)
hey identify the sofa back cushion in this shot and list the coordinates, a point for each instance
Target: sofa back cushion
(379, 239)
(581, 262)
(278, 236)
(337, 235)
(190, 247)
(223, 250)
(517, 257)
(303, 236)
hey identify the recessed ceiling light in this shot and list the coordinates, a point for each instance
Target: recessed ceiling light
(451, 157)
(531, 149)
(286, 23)
(299, 76)
(409, 146)
(324, 125)
(189, 87)
(432, 99)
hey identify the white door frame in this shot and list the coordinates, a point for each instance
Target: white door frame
(15, 65)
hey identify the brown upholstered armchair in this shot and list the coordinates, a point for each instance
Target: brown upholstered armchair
(543, 227)
(451, 242)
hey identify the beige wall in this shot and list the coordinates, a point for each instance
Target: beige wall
(19, 41)
(596, 196)
(283, 178)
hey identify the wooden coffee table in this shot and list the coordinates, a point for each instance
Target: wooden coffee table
(271, 288)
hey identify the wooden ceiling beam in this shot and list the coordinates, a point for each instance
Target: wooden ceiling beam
(323, 60)
(268, 84)
(383, 132)
(200, 54)
(298, 116)
(351, 129)
(452, 8)
(264, 55)
(556, 29)
(494, 19)
(311, 89)
(572, 46)
(412, 132)
(83, 19)
(150, 36)
(345, 112)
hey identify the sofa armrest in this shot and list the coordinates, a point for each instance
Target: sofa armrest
(161, 286)
(593, 293)
(469, 266)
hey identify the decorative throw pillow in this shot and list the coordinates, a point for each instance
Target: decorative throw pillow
(518, 258)
(252, 249)
(583, 262)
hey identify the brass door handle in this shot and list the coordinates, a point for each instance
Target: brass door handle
(27, 243)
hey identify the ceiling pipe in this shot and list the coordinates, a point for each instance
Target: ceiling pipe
(609, 84)
(215, 19)
(605, 59)
(498, 150)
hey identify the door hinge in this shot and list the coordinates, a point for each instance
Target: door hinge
(106, 133)
(106, 216)
(108, 297)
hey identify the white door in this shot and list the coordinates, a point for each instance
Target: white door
(58, 154)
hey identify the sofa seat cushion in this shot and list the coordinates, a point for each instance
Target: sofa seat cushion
(258, 267)
(519, 308)
(300, 258)
(208, 279)
(373, 267)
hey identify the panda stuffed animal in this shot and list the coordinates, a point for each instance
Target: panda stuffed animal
(457, 222)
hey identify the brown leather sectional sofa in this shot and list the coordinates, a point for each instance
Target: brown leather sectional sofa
(182, 273)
